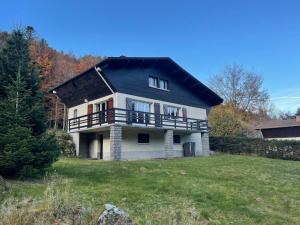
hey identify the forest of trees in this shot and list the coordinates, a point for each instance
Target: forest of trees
(55, 67)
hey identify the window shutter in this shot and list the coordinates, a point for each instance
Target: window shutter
(129, 108)
(110, 113)
(90, 116)
(157, 114)
(184, 114)
(166, 112)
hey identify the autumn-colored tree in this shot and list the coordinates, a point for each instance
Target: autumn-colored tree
(224, 121)
(86, 62)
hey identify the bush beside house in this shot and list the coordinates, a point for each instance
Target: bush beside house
(66, 143)
(283, 149)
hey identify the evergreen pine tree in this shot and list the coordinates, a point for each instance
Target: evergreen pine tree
(22, 115)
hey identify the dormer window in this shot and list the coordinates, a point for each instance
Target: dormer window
(155, 82)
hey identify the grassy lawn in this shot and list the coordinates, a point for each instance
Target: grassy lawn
(222, 189)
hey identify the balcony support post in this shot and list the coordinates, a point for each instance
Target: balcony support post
(205, 143)
(168, 145)
(115, 142)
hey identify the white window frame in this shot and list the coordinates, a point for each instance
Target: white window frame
(157, 83)
(153, 82)
(169, 111)
(142, 109)
(75, 113)
(165, 84)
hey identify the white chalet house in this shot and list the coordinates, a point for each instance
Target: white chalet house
(128, 108)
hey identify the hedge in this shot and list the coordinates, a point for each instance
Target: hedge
(276, 149)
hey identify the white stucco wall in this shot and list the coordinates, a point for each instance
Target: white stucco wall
(192, 112)
(82, 108)
(94, 145)
(131, 149)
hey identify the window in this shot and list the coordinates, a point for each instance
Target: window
(75, 116)
(101, 109)
(75, 113)
(140, 112)
(158, 83)
(153, 82)
(140, 106)
(143, 138)
(176, 139)
(172, 112)
(163, 84)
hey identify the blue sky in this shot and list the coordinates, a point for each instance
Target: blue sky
(202, 36)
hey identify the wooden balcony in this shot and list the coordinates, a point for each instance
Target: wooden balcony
(136, 118)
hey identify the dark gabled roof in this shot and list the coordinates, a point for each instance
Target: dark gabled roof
(172, 68)
(270, 124)
(165, 64)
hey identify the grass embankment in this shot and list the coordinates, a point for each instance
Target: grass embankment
(222, 189)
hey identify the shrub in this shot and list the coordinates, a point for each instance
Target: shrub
(224, 121)
(277, 149)
(66, 144)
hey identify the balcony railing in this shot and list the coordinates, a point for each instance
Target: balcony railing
(138, 118)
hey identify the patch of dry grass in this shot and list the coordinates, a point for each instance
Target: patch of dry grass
(58, 205)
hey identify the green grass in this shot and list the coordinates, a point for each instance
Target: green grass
(222, 189)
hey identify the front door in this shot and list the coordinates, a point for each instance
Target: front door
(100, 154)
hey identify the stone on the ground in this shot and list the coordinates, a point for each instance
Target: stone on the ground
(113, 215)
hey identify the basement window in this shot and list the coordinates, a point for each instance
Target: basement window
(143, 138)
(176, 139)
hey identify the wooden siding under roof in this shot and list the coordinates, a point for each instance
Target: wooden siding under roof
(86, 86)
(129, 75)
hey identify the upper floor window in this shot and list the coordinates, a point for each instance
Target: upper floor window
(153, 82)
(171, 112)
(158, 83)
(163, 84)
(140, 106)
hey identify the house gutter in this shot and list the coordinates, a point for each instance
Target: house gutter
(98, 70)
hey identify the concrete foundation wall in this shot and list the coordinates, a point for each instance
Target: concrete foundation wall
(88, 144)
